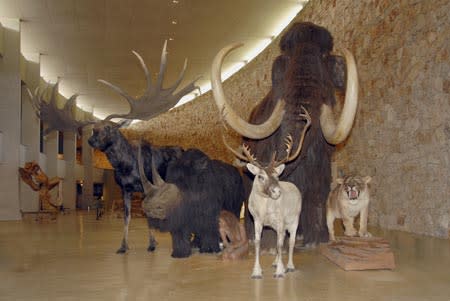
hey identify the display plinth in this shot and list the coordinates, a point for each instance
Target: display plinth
(356, 253)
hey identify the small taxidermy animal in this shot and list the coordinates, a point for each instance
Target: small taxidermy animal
(233, 236)
(346, 201)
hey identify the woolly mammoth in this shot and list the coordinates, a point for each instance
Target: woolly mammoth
(189, 203)
(304, 74)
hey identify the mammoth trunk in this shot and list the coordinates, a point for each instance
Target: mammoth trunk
(307, 79)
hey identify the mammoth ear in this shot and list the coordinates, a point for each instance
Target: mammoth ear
(338, 70)
(253, 168)
(367, 179)
(340, 181)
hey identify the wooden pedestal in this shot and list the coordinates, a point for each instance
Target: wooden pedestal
(356, 253)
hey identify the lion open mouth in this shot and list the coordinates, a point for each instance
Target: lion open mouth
(353, 194)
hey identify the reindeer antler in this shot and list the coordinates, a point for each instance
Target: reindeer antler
(155, 99)
(57, 119)
(247, 156)
(289, 141)
(245, 153)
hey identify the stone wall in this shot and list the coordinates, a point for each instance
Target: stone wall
(401, 135)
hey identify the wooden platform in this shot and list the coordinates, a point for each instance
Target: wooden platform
(356, 253)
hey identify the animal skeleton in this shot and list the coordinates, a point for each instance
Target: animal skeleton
(156, 99)
(62, 120)
(33, 175)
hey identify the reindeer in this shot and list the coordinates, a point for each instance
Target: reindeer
(274, 203)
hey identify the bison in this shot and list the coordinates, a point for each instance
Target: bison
(304, 74)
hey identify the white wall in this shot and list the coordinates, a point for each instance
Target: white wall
(10, 92)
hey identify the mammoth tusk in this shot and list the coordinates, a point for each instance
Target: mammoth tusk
(253, 131)
(335, 134)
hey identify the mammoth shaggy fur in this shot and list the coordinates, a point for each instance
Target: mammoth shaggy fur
(304, 75)
(207, 186)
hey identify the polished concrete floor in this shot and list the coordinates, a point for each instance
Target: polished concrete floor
(74, 259)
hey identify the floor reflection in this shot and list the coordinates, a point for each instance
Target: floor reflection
(75, 259)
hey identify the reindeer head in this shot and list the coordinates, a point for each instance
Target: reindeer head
(266, 177)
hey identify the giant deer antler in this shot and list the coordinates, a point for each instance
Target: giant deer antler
(247, 156)
(155, 100)
(57, 119)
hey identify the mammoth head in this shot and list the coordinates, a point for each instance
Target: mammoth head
(306, 33)
(160, 198)
(307, 63)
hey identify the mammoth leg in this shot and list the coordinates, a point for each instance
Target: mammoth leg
(127, 217)
(314, 226)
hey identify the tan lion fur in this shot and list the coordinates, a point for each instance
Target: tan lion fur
(348, 199)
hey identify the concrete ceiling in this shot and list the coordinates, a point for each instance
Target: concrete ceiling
(81, 41)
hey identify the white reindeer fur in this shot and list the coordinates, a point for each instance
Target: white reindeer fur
(281, 213)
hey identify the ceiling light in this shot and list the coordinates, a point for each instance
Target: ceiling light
(257, 49)
(260, 46)
(174, 22)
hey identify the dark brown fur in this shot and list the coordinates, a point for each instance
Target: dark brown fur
(303, 75)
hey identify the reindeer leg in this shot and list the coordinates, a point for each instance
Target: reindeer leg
(292, 233)
(257, 271)
(127, 217)
(279, 273)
